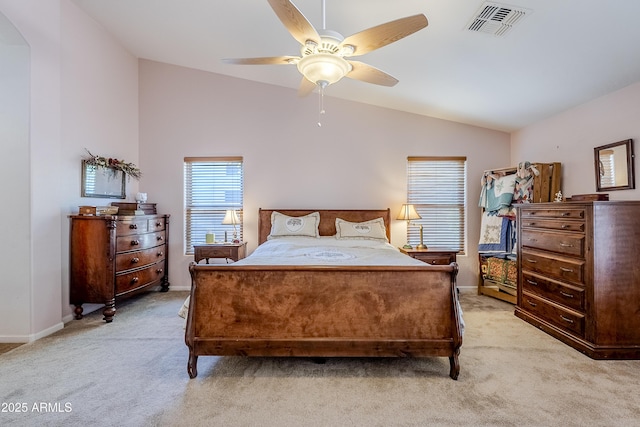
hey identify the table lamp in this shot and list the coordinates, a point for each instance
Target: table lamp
(407, 213)
(231, 217)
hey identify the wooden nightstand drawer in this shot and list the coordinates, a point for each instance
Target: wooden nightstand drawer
(234, 251)
(433, 256)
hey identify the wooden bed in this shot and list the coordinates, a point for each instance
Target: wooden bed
(323, 311)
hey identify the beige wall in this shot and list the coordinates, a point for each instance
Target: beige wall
(570, 138)
(357, 159)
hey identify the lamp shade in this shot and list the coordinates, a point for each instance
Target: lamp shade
(408, 212)
(230, 218)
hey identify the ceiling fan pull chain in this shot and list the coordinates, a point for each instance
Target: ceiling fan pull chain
(321, 86)
(324, 16)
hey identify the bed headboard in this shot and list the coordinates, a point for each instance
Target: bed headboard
(328, 217)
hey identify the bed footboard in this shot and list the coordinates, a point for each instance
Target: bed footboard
(316, 311)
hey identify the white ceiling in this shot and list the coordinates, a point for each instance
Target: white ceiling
(564, 53)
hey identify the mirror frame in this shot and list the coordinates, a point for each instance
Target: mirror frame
(114, 185)
(631, 183)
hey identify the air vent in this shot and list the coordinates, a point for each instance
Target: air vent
(497, 19)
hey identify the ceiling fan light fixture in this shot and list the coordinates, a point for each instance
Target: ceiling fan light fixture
(323, 67)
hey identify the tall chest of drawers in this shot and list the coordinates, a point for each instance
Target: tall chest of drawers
(579, 274)
(116, 256)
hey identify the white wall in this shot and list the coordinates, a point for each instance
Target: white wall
(15, 292)
(570, 138)
(83, 93)
(357, 159)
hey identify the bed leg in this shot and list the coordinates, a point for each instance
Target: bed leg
(192, 365)
(455, 366)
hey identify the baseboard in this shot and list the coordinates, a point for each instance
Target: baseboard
(31, 337)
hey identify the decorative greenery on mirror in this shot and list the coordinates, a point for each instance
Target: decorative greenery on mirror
(614, 166)
(102, 182)
(105, 177)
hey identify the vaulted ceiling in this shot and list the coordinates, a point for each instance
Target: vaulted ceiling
(551, 56)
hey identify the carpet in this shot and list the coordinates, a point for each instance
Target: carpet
(132, 372)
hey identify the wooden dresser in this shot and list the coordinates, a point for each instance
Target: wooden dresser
(114, 256)
(579, 274)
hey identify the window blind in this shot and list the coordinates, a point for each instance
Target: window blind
(212, 185)
(436, 186)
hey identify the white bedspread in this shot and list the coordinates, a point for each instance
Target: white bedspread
(326, 251)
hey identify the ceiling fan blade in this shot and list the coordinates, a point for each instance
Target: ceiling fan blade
(369, 74)
(306, 87)
(269, 60)
(294, 21)
(384, 34)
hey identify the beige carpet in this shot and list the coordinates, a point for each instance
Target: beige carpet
(133, 373)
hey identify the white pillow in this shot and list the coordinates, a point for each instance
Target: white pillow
(373, 229)
(287, 226)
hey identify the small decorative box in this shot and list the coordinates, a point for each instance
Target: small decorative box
(86, 210)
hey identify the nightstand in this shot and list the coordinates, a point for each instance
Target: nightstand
(434, 256)
(234, 251)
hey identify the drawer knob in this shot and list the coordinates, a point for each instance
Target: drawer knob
(135, 243)
(532, 304)
(566, 214)
(531, 282)
(566, 245)
(133, 226)
(159, 271)
(134, 280)
(565, 226)
(564, 294)
(160, 253)
(532, 261)
(566, 270)
(135, 260)
(158, 224)
(160, 238)
(566, 319)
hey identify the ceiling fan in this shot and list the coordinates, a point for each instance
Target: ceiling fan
(323, 53)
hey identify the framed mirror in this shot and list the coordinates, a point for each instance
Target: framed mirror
(98, 181)
(614, 166)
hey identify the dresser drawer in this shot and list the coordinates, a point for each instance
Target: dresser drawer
(128, 282)
(563, 243)
(563, 318)
(131, 226)
(570, 296)
(556, 266)
(564, 213)
(129, 260)
(137, 242)
(156, 224)
(554, 224)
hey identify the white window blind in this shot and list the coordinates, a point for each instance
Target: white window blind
(212, 185)
(436, 186)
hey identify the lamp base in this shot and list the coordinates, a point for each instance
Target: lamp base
(421, 247)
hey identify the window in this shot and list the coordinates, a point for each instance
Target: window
(211, 186)
(436, 187)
